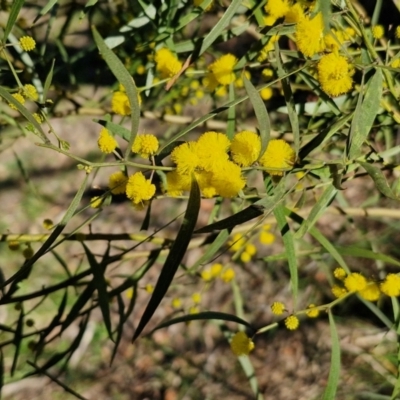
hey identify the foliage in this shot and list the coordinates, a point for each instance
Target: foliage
(323, 86)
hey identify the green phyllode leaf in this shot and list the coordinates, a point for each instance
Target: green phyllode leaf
(174, 257)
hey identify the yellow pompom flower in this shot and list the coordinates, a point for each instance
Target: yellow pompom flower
(222, 69)
(378, 31)
(120, 103)
(295, 14)
(149, 288)
(266, 237)
(278, 308)
(207, 275)
(216, 270)
(106, 142)
(245, 148)
(38, 117)
(196, 298)
(241, 344)
(338, 291)
(212, 151)
(228, 275)
(29, 92)
(391, 285)
(117, 182)
(146, 145)
(96, 201)
(139, 189)
(167, 63)
(397, 32)
(228, 180)
(278, 155)
(19, 98)
(371, 292)
(276, 9)
(310, 35)
(237, 242)
(27, 43)
(335, 74)
(267, 73)
(177, 183)
(339, 273)
(312, 311)
(245, 257)
(176, 302)
(355, 282)
(266, 93)
(292, 322)
(395, 63)
(185, 157)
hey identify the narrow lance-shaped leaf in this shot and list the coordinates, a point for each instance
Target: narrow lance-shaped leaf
(289, 99)
(99, 282)
(223, 22)
(174, 257)
(261, 113)
(15, 9)
(380, 181)
(207, 315)
(123, 77)
(321, 205)
(288, 242)
(365, 114)
(17, 340)
(334, 372)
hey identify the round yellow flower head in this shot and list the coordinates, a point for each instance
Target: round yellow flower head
(391, 285)
(222, 69)
(266, 237)
(371, 292)
(27, 43)
(397, 32)
(167, 63)
(355, 282)
(38, 117)
(120, 103)
(310, 35)
(185, 157)
(339, 273)
(263, 54)
(277, 8)
(395, 63)
(196, 297)
(335, 74)
(292, 322)
(278, 155)
(241, 344)
(106, 142)
(245, 148)
(312, 311)
(212, 151)
(176, 302)
(278, 308)
(117, 182)
(29, 92)
(146, 145)
(96, 201)
(207, 275)
(237, 242)
(378, 31)
(17, 97)
(177, 183)
(266, 93)
(267, 73)
(228, 275)
(245, 257)
(227, 179)
(338, 291)
(139, 189)
(216, 270)
(149, 288)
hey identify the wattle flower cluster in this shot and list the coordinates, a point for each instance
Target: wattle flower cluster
(216, 162)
